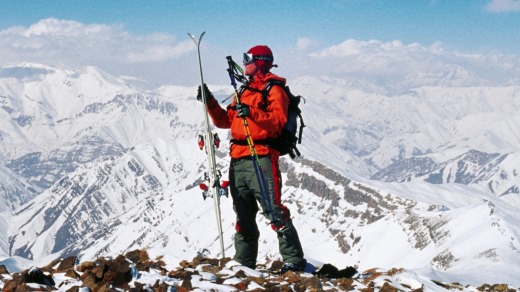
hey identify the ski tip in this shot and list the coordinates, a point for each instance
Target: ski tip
(194, 38)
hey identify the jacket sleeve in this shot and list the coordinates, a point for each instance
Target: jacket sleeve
(274, 118)
(218, 115)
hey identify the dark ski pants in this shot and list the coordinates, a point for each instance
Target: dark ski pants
(247, 194)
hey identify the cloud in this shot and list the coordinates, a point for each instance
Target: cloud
(503, 6)
(52, 27)
(162, 59)
(159, 53)
(399, 66)
(303, 43)
(93, 42)
(75, 44)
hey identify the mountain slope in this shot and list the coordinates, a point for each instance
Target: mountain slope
(97, 167)
(374, 132)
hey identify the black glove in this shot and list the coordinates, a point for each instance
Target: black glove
(207, 93)
(243, 110)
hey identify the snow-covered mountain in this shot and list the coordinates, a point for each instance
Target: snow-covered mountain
(425, 178)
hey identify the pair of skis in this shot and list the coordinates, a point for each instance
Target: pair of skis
(210, 142)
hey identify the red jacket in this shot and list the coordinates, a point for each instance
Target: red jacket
(265, 121)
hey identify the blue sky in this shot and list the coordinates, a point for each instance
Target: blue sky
(470, 26)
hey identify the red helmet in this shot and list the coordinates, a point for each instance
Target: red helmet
(262, 56)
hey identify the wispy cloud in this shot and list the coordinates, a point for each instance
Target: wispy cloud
(162, 59)
(60, 40)
(400, 66)
(304, 43)
(503, 6)
(108, 46)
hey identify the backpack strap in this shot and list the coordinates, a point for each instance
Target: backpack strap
(297, 110)
(268, 87)
(265, 93)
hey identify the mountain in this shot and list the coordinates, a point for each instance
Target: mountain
(381, 132)
(424, 179)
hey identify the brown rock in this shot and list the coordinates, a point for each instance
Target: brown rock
(71, 274)
(89, 279)
(240, 274)
(3, 270)
(106, 287)
(67, 264)
(276, 266)
(138, 255)
(100, 270)
(242, 286)
(10, 286)
(186, 264)
(50, 266)
(291, 277)
(388, 288)
(344, 283)
(163, 287)
(312, 283)
(75, 289)
(300, 287)
(177, 274)
(258, 280)
(211, 269)
(501, 288)
(186, 283)
(224, 261)
(86, 266)
(119, 272)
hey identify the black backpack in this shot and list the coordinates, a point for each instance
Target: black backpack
(290, 135)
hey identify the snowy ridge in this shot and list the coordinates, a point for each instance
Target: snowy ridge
(98, 167)
(376, 134)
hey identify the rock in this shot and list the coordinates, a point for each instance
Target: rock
(100, 270)
(312, 283)
(387, 288)
(119, 272)
(50, 266)
(89, 279)
(71, 274)
(331, 271)
(78, 289)
(3, 270)
(275, 266)
(260, 281)
(110, 275)
(241, 286)
(137, 256)
(35, 275)
(186, 282)
(177, 274)
(211, 269)
(67, 264)
(86, 266)
(291, 277)
(345, 284)
(501, 288)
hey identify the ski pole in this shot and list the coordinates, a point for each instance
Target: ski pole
(259, 171)
(213, 177)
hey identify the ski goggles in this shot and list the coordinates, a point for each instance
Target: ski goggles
(250, 58)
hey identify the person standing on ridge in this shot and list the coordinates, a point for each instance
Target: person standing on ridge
(266, 118)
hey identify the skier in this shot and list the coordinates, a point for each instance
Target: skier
(265, 121)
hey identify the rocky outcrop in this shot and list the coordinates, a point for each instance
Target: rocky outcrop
(135, 271)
